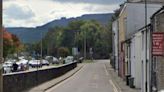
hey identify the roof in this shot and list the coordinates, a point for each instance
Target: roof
(132, 3)
(159, 11)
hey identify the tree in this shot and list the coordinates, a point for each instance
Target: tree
(63, 51)
(11, 44)
(98, 37)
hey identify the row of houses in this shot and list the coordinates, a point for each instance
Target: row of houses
(133, 57)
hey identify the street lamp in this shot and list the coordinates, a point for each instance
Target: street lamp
(85, 45)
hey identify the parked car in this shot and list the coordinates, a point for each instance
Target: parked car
(81, 59)
(22, 64)
(7, 67)
(52, 60)
(35, 63)
(55, 61)
(21, 57)
(69, 59)
(45, 62)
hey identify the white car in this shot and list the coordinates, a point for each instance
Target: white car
(23, 62)
(45, 62)
(52, 59)
(35, 63)
(69, 59)
(7, 67)
(55, 60)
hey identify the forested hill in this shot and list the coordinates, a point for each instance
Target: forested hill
(31, 35)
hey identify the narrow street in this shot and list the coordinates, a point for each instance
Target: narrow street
(93, 77)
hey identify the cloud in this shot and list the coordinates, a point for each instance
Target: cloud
(32, 13)
(18, 12)
(5, 0)
(101, 8)
(104, 2)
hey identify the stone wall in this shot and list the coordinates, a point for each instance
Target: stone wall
(18, 82)
(159, 27)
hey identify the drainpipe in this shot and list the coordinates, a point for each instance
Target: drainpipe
(118, 37)
(151, 65)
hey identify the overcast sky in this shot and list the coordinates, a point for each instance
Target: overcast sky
(31, 13)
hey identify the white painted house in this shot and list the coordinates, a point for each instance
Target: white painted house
(141, 58)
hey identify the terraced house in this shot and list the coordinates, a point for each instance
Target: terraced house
(135, 63)
(158, 61)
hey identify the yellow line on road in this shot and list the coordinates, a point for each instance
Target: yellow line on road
(118, 87)
(114, 87)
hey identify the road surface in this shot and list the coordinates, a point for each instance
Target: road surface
(93, 77)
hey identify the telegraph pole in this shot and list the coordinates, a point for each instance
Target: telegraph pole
(1, 49)
(146, 64)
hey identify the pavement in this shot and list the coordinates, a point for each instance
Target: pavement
(119, 82)
(89, 77)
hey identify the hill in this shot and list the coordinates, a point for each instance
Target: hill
(31, 35)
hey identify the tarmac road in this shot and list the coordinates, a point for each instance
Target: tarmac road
(93, 77)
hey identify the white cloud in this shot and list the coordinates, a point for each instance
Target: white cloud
(18, 12)
(101, 8)
(101, 2)
(38, 12)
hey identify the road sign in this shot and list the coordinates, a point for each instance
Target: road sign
(75, 51)
(91, 51)
(158, 44)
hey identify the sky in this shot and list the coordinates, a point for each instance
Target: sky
(32, 13)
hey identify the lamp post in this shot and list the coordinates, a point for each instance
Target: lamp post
(85, 45)
(41, 50)
(76, 47)
(1, 50)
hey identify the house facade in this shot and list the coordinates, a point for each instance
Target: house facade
(133, 60)
(115, 43)
(158, 61)
(121, 40)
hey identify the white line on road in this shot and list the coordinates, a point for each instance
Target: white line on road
(114, 87)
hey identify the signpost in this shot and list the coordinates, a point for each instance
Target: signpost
(158, 44)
